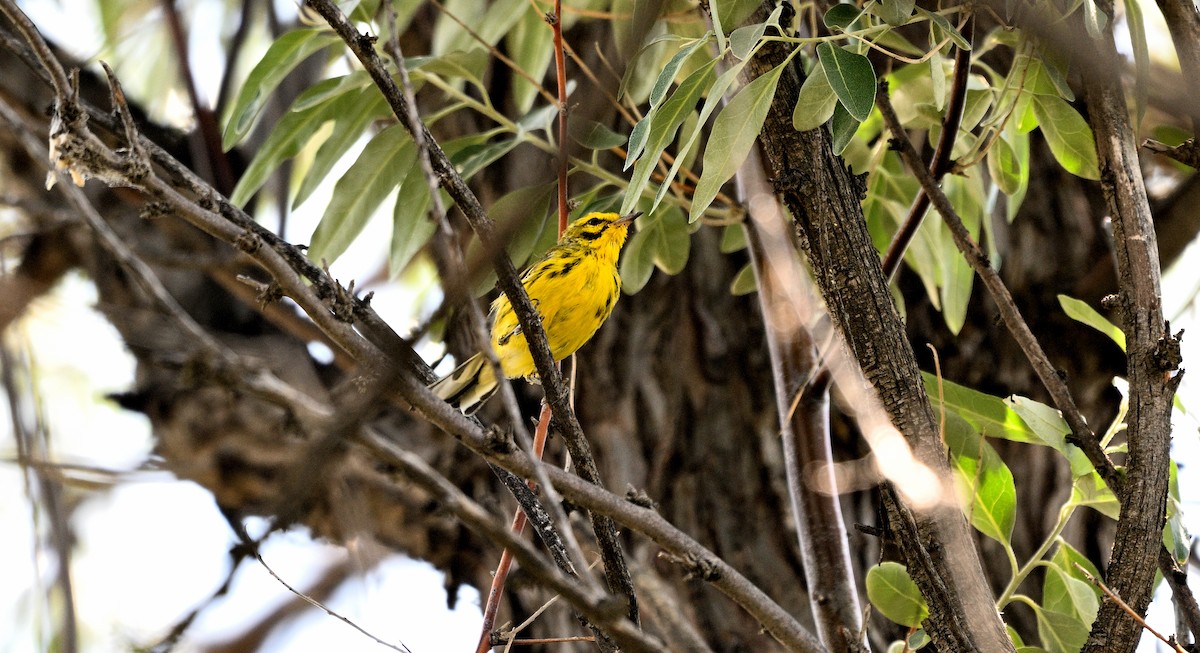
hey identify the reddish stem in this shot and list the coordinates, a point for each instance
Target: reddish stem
(539, 437)
(560, 67)
(518, 526)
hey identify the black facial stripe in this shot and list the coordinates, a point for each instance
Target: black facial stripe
(590, 235)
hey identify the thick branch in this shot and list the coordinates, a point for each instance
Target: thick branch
(802, 403)
(1152, 353)
(824, 199)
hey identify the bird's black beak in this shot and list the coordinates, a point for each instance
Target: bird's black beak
(626, 219)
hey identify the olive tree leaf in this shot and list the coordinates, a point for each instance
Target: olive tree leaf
(284, 55)
(733, 134)
(815, 102)
(852, 77)
(361, 190)
(892, 591)
(1069, 136)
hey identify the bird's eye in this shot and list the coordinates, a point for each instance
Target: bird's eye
(595, 222)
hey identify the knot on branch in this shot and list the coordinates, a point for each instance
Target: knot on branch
(265, 293)
(498, 440)
(341, 304)
(137, 167)
(639, 498)
(248, 242)
(154, 210)
(695, 566)
(1167, 353)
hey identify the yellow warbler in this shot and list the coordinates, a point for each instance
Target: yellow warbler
(574, 287)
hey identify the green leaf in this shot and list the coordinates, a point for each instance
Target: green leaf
(815, 102)
(1176, 538)
(489, 26)
(843, 128)
(744, 282)
(667, 76)
(895, 595)
(733, 134)
(284, 54)
(525, 213)
(685, 152)
(734, 12)
(1094, 20)
(360, 191)
(958, 278)
(531, 46)
(411, 226)
(330, 88)
(989, 415)
(1063, 593)
(637, 139)
(984, 481)
(476, 157)
(1091, 491)
(1061, 633)
(636, 68)
(1051, 429)
(637, 262)
(667, 232)
(465, 65)
(894, 12)
(351, 113)
(667, 119)
(1136, 22)
(841, 16)
(733, 238)
(295, 129)
(1069, 136)
(1175, 533)
(944, 25)
(743, 40)
(1080, 312)
(1004, 166)
(852, 77)
(1066, 557)
(918, 640)
(594, 135)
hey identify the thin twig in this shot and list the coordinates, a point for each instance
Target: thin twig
(941, 157)
(321, 606)
(1128, 610)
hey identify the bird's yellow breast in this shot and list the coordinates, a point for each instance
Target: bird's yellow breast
(574, 288)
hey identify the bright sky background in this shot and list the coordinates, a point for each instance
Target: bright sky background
(152, 548)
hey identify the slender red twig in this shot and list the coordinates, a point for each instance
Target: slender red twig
(518, 526)
(539, 438)
(560, 68)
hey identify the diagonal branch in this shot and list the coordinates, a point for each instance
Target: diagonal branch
(1081, 434)
(557, 393)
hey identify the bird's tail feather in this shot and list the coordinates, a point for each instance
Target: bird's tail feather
(468, 386)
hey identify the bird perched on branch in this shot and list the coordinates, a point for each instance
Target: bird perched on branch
(574, 287)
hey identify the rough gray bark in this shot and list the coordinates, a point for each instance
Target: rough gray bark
(1152, 353)
(825, 201)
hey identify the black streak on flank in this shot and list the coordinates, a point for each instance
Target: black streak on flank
(567, 267)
